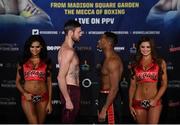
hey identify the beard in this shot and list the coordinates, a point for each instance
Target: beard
(76, 40)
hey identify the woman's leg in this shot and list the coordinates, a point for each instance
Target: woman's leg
(141, 116)
(41, 111)
(154, 114)
(30, 111)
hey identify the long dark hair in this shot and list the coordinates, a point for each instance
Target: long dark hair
(139, 55)
(27, 54)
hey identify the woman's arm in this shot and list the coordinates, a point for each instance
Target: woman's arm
(18, 78)
(19, 85)
(132, 90)
(163, 86)
(49, 85)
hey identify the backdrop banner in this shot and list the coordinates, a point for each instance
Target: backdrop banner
(129, 19)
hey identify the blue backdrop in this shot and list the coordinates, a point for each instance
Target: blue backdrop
(129, 19)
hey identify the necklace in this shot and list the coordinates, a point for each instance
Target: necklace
(35, 64)
(145, 67)
(146, 64)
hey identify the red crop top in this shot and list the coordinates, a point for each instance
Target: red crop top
(149, 75)
(38, 73)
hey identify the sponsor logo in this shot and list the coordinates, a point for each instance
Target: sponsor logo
(35, 32)
(86, 83)
(8, 65)
(53, 48)
(174, 84)
(8, 47)
(124, 83)
(85, 102)
(7, 101)
(132, 50)
(83, 48)
(85, 66)
(172, 103)
(170, 66)
(173, 48)
(56, 102)
(8, 84)
(49, 32)
(118, 49)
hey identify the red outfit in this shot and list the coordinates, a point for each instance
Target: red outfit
(148, 75)
(44, 96)
(136, 104)
(38, 73)
(143, 76)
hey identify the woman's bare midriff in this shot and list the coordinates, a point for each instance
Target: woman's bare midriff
(35, 87)
(146, 91)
